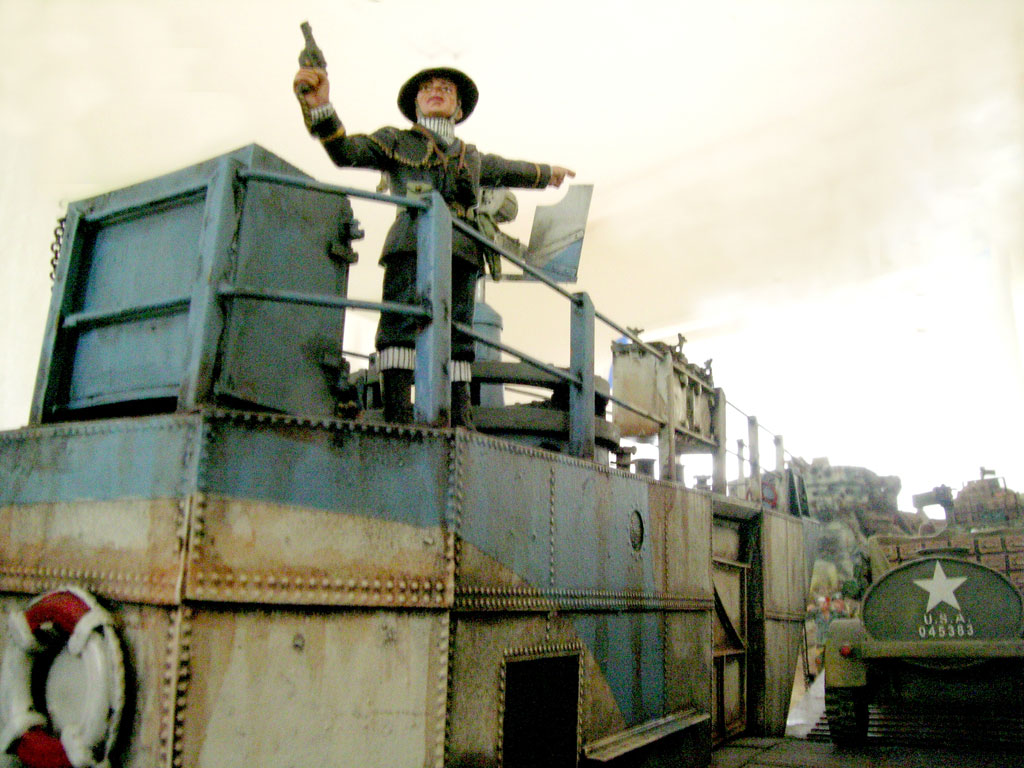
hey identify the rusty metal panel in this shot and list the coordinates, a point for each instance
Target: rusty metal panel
(484, 584)
(682, 529)
(484, 645)
(362, 688)
(798, 581)
(784, 616)
(784, 567)
(733, 692)
(147, 458)
(245, 551)
(688, 660)
(783, 644)
(129, 550)
(393, 474)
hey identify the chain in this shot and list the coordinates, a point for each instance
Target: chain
(58, 240)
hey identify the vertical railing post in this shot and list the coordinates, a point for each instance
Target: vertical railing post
(581, 366)
(780, 470)
(665, 374)
(719, 483)
(434, 289)
(755, 459)
(741, 467)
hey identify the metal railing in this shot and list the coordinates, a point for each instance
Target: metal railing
(435, 226)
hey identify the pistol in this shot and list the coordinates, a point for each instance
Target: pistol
(310, 55)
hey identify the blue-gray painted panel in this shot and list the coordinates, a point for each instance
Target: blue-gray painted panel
(128, 361)
(390, 477)
(143, 257)
(159, 241)
(146, 458)
(274, 353)
(597, 516)
(506, 508)
(629, 650)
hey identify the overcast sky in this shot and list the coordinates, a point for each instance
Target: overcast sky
(824, 197)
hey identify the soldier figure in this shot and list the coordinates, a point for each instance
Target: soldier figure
(435, 100)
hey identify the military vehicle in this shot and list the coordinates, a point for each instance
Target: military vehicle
(942, 624)
(213, 552)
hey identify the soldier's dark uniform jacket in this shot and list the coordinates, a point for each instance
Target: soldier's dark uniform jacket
(415, 155)
(457, 171)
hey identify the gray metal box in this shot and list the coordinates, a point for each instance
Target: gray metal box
(139, 318)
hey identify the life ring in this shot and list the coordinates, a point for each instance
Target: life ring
(84, 684)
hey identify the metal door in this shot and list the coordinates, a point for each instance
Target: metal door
(729, 681)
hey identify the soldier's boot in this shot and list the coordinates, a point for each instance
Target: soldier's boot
(396, 384)
(462, 411)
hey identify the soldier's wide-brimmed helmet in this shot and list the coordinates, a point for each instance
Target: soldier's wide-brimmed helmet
(468, 93)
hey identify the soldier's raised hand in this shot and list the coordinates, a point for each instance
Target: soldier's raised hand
(312, 86)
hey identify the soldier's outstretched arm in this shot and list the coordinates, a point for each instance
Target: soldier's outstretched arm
(496, 171)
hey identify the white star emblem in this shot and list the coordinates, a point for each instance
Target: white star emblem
(940, 588)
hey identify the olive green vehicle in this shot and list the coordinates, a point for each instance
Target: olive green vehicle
(943, 624)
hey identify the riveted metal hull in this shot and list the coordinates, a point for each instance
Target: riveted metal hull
(291, 588)
(294, 590)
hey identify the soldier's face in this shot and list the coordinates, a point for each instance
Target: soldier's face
(438, 97)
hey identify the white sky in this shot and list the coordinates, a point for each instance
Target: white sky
(824, 196)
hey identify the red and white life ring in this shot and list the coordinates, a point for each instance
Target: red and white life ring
(84, 684)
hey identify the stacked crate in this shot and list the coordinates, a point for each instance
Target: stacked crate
(999, 549)
(986, 503)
